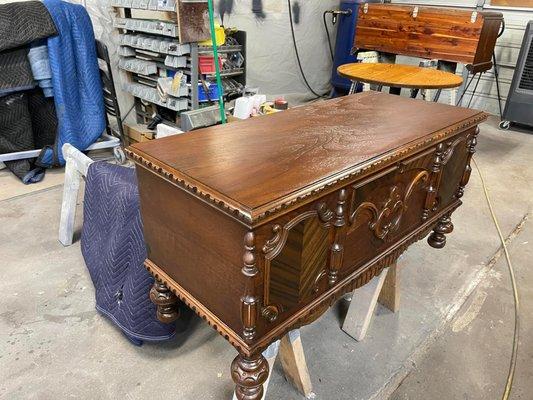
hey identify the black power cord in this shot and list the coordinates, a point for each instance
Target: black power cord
(334, 18)
(298, 55)
(327, 34)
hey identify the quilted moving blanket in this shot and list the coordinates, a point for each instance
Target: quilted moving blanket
(112, 245)
(27, 120)
(76, 80)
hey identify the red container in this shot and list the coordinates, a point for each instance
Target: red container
(207, 64)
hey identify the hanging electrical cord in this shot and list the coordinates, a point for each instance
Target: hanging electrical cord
(512, 364)
(298, 55)
(327, 34)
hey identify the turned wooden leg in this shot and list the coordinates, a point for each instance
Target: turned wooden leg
(249, 374)
(437, 239)
(166, 302)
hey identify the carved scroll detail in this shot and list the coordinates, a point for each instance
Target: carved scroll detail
(249, 301)
(271, 244)
(324, 213)
(318, 278)
(386, 219)
(471, 148)
(448, 153)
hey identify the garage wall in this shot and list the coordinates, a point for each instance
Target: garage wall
(271, 60)
(507, 50)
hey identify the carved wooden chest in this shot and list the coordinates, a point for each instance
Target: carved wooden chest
(259, 226)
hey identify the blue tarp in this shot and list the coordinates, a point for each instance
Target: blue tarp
(76, 81)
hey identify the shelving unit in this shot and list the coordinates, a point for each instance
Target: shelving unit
(159, 38)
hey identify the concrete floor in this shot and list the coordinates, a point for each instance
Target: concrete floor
(450, 340)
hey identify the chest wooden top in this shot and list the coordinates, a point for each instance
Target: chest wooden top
(260, 166)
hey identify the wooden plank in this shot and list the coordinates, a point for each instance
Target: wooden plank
(157, 15)
(362, 306)
(292, 359)
(77, 165)
(390, 292)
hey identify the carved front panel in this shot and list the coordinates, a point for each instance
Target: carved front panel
(384, 208)
(456, 166)
(311, 249)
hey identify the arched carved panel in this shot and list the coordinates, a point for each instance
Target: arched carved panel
(302, 257)
(295, 256)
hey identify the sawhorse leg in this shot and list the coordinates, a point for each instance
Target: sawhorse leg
(383, 288)
(353, 87)
(292, 359)
(76, 167)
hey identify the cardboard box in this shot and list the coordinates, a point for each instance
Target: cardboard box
(139, 132)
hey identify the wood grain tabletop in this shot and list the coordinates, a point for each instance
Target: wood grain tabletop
(261, 160)
(398, 75)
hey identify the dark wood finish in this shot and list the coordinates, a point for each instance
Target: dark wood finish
(259, 165)
(446, 34)
(166, 302)
(294, 269)
(249, 374)
(260, 226)
(437, 239)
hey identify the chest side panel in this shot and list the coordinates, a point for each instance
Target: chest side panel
(197, 246)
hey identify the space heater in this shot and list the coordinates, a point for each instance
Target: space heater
(519, 105)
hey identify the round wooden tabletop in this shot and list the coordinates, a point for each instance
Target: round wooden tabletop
(398, 75)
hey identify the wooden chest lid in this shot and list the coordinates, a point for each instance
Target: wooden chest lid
(257, 167)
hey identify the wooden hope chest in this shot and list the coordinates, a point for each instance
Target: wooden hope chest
(443, 33)
(259, 226)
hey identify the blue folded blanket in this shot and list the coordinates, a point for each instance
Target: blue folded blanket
(76, 81)
(40, 67)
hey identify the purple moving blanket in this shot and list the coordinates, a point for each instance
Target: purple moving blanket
(112, 244)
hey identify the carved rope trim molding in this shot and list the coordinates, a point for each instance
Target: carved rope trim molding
(247, 217)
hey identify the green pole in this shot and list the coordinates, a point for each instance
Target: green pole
(217, 67)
